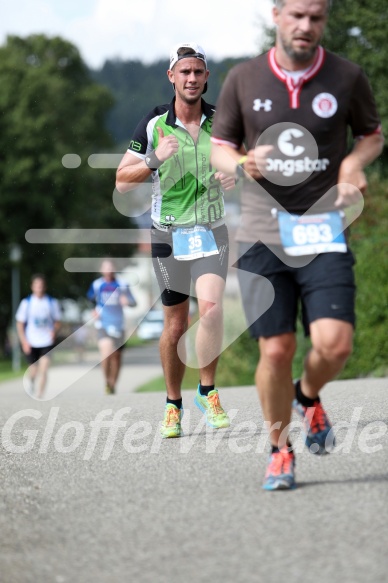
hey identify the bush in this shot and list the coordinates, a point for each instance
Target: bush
(369, 243)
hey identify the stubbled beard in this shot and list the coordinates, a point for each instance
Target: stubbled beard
(189, 99)
(299, 55)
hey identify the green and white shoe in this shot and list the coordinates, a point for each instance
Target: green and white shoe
(210, 405)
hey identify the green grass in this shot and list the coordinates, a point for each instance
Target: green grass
(134, 341)
(190, 381)
(236, 367)
(6, 372)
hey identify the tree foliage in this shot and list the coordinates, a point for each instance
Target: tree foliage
(358, 30)
(50, 106)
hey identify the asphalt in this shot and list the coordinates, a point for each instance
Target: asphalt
(82, 502)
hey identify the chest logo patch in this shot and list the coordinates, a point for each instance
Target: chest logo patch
(265, 105)
(325, 105)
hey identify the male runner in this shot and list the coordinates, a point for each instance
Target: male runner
(110, 296)
(38, 319)
(292, 108)
(189, 237)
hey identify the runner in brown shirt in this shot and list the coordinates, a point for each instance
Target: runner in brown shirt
(290, 110)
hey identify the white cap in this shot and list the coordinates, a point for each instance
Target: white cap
(198, 50)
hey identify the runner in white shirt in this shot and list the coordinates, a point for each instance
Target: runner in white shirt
(37, 321)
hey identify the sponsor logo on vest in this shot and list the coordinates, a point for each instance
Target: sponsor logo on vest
(325, 105)
(136, 146)
(265, 105)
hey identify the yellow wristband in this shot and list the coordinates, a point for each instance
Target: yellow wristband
(242, 160)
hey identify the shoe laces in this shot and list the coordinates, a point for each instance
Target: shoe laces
(281, 463)
(172, 416)
(288, 462)
(316, 418)
(214, 402)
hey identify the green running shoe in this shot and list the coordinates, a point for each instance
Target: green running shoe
(171, 424)
(210, 405)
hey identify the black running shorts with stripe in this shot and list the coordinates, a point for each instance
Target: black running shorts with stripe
(174, 276)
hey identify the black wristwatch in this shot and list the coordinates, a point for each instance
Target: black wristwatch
(239, 172)
(152, 161)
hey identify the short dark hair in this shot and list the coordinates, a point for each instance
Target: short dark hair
(185, 51)
(38, 276)
(280, 3)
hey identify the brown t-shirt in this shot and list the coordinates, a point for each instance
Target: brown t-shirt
(308, 124)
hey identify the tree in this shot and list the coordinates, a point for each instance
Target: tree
(50, 107)
(358, 30)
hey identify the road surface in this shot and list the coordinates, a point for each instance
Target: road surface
(91, 494)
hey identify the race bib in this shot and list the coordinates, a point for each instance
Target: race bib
(193, 242)
(113, 332)
(310, 234)
(41, 322)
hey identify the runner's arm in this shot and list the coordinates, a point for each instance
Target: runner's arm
(127, 298)
(226, 158)
(131, 172)
(351, 176)
(20, 329)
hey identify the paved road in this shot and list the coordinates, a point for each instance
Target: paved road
(139, 365)
(82, 504)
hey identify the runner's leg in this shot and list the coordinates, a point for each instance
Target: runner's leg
(209, 289)
(331, 347)
(43, 365)
(274, 383)
(106, 348)
(175, 325)
(114, 368)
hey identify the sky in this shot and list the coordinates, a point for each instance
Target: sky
(140, 29)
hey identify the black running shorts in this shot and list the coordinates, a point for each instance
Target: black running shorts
(174, 276)
(324, 288)
(37, 353)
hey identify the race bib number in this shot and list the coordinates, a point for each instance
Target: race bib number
(193, 242)
(310, 234)
(41, 322)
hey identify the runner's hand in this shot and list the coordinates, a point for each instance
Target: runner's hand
(26, 347)
(167, 147)
(352, 183)
(227, 182)
(257, 161)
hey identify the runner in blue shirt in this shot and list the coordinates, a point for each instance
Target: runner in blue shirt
(110, 296)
